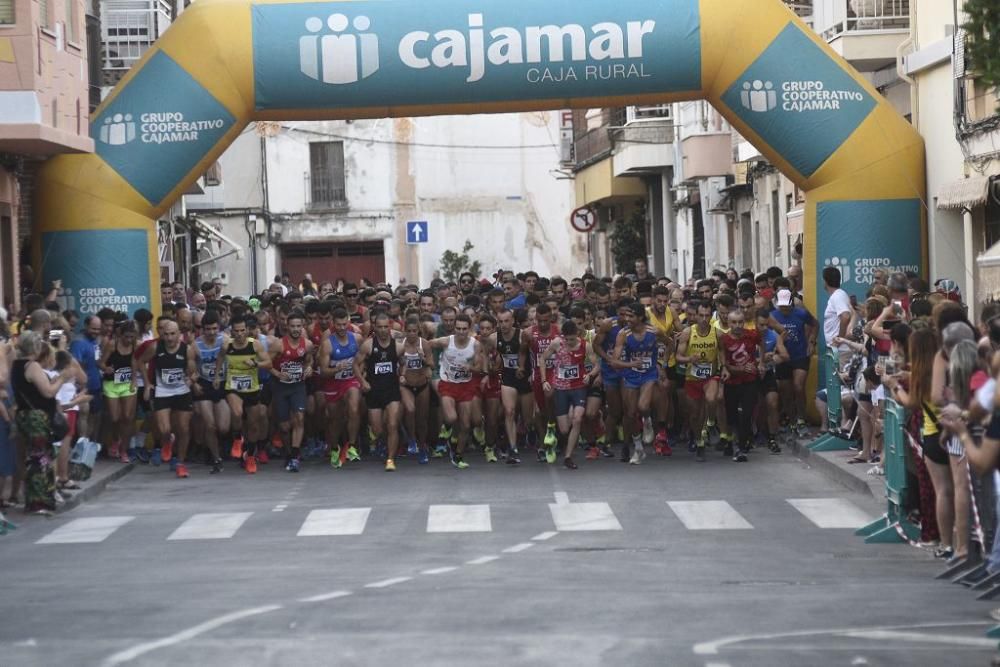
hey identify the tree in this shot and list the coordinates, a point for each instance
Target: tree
(454, 264)
(982, 43)
(628, 240)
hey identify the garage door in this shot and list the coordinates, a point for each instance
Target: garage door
(330, 261)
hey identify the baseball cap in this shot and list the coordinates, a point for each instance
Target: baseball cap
(254, 304)
(784, 297)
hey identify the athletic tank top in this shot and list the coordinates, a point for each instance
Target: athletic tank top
(241, 371)
(414, 361)
(207, 354)
(456, 362)
(169, 369)
(382, 366)
(540, 341)
(608, 345)
(641, 349)
(121, 367)
(292, 360)
(342, 352)
(510, 352)
(263, 376)
(704, 352)
(568, 371)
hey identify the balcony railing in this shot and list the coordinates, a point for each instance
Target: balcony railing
(129, 27)
(325, 191)
(834, 18)
(596, 143)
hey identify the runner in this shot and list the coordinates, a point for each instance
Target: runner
(490, 385)
(515, 388)
(414, 384)
(377, 367)
(743, 366)
(170, 367)
(536, 340)
(661, 318)
(209, 397)
(611, 376)
(635, 353)
(774, 354)
(241, 360)
(342, 388)
(570, 380)
(800, 341)
(461, 357)
(291, 366)
(120, 387)
(698, 348)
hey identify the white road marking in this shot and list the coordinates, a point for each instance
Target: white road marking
(440, 570)
(831, 512)
(387, 582)
(562, 498)
(583, 516)
(482, 560)
(518, 548)
(717, 664)
(348, 521)
(459, 519)
(541, 537)
(130, 654)
(326, 596)
(86, 531)
(280, 508)
(210, 526)
(708, 515)
(921, 637)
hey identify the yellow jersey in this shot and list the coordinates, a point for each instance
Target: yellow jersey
(704, 354)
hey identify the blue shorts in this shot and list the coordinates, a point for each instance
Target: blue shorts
(566, 399)
(288, 398)
(611, 377)
(636, 380)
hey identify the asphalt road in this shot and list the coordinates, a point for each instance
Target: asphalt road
(668, 563)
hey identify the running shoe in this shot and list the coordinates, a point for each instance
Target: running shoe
(371, 435)
(141, 454)
(479, 435)
(167, 451)
(458, 462)
(174, 462)
(607, 452)
(412, 447)
(181, 471)
(490, 454)
(352, 453)
(624, 458)
(216, 467)
(602, 440)
(660, 441)
(390, 465)
(292, 465)
(741, 455)
(715, 436)
(156, 458)
(114, 451)
(550, 438)
(512, 458)
(699, 454)
(570, 463)
(638, 455)
(262, 456)
(335, 457)
(725, 442)
(445, 433)
(593, 453)
(123, 456)
(665, 450)
(540, 454)
(647, 431)
(440, 450)
(250, 465)
(773, 446)
(422, 457)
(550, 454)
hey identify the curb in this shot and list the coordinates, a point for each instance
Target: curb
(94, 489)
(826, 464)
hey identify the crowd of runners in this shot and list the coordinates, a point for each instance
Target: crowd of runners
(489, 371)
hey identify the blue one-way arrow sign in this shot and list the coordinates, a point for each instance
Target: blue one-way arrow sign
(416, 232)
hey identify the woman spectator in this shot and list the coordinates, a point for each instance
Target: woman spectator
(119, 387)
(68, 401)
(35, 393)
(7, 456)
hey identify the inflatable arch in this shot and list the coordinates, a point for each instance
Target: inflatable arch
(225, 63)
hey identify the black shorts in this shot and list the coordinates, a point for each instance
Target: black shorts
(523, 385)
(379, 399)
(209, 393)
(565, 399)
(182, 403)
(249, 399)
(769, 383)
(289, 398)
(265, 393)
(784, 371)
(596, 390)
(933, 451)
(416, 391)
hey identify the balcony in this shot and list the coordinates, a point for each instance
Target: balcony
(866, 33)
(128, 29)
(707, 154)
(644, 145)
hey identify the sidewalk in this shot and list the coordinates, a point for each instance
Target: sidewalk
(834, 465)
(104, 473)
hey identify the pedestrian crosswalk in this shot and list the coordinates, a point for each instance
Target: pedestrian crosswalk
(563, 516)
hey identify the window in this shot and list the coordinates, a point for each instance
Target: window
(775, 221)
(6, 12)
(326, 174)
(72, 19)
(44, 14)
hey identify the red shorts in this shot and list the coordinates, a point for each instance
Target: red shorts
(334, 390)
(492, 390)
(460, 392)
(71, 417)
(695, 389)
(541, 400)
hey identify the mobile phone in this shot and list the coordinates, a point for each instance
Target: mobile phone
(55, 334)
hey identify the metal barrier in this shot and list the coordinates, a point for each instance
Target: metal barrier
(828, 442)
(893, 526)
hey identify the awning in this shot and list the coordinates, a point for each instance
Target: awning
(796, 220)
(964, 193)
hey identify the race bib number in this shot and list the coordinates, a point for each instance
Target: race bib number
(645, 364)
(123, 375)
(461, 374)
(294, 371)
(383, 368)
(414, 364)
(345, 374)
(568, 373)
(208, 371)
(661, 354)
(510, 361)
(172, 377)
(703, 371)
(97, 353)
(242, 382)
